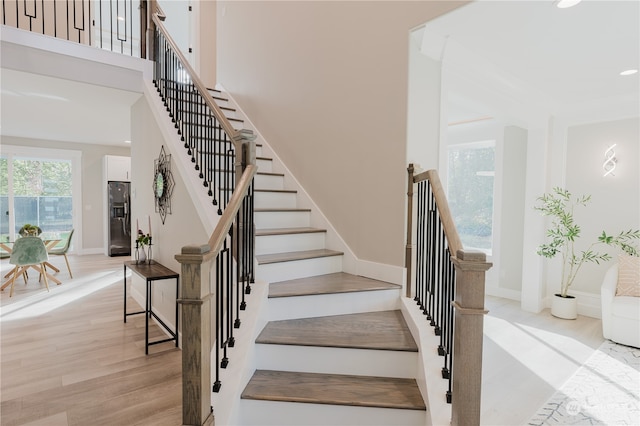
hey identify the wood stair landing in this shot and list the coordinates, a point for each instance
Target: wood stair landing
(339, 282)
(336, 389)
(386, 330)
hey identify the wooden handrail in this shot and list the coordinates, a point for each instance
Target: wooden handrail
(443, 208)
(158, 17)
(226, 220)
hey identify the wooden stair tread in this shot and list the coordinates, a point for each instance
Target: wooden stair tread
(287, 231)
(270, 173)
(264, 259)
(278, 210)
(339, 282)
(335, 389)
(280, 191)
(386, 330)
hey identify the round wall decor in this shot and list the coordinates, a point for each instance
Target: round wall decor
(163, 184)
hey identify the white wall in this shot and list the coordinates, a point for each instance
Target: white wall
(326, 85)
(423, 112)
(512, 195)
(182, 227)
(615, 200)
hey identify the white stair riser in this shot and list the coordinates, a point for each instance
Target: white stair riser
(264, 165)
(271, 200)
(274, 272)
(270, 220)
(269, 182)
(284, 308)
(361, 362)
(272, 413)
(266, 244)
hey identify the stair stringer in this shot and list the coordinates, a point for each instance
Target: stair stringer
(350, 262)
(198, 193)
(429, 372)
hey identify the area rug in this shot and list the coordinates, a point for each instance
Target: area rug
(604, 391)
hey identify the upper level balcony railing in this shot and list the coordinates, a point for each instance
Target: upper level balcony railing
(115, 25)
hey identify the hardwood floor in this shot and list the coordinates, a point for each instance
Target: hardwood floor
(68, 358)
(527, 357)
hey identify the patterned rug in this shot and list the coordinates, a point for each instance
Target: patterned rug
(604, 391)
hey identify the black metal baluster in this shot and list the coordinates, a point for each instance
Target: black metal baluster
(217, 384)
(230, 281)
(419, 288)
(238, 280)
(452, 280)
(252, 233)
(224, 309)
(201, 113)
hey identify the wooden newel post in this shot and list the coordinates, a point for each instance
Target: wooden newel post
(468, 334)
(195, 302)
(244, 141)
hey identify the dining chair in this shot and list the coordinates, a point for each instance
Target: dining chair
(62, 250)
(28, 252)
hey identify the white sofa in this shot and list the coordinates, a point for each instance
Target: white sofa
(620, 314)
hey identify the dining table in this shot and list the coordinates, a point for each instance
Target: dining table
(50, 241)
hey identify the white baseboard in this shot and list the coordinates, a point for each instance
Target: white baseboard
(505, 293)
(380, 271)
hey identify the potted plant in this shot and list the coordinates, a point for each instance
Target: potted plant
(30, 230)
(142, 240)
(562, 235)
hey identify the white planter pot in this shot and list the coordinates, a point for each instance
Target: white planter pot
(564, 307)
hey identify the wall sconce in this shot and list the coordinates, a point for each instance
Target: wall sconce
(610, 161)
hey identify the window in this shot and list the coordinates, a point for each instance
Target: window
(470, 192)
(42, 190)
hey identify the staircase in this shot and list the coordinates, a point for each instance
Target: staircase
(336, 349)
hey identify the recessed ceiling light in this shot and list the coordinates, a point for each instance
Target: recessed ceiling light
(127, 141)
(629, 72)
(563, 4)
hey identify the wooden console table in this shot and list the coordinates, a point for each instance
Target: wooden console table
(151, 272)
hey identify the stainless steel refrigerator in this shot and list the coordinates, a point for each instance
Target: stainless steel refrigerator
(119, 243)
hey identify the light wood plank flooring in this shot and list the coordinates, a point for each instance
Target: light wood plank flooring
(527, 357)
(68, 358)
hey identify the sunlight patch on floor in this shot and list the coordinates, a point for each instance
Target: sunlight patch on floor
(548, 355)
(43, 302)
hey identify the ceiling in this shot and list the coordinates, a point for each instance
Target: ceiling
(569, 58)
(42, 107)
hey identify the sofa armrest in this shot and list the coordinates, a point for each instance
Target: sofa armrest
(607, 293)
